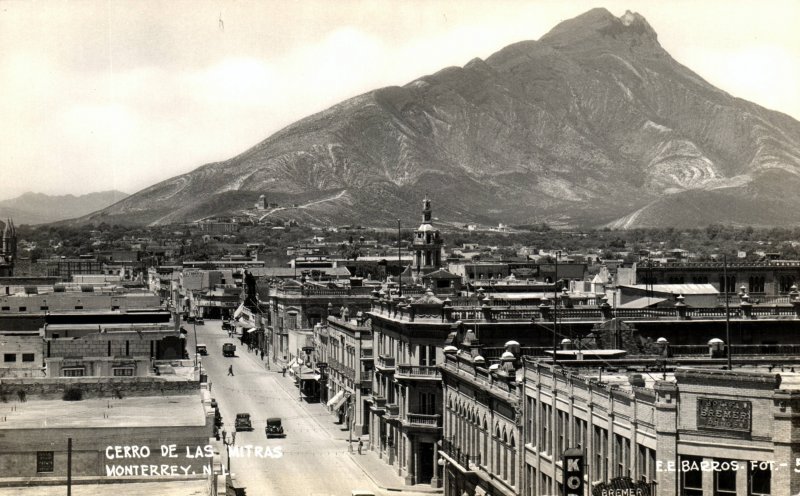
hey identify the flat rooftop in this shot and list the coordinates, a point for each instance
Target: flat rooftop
(134, 411)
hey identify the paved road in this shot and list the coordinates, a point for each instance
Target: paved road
(312, 462)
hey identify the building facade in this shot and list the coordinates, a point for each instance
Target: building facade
(406, 405)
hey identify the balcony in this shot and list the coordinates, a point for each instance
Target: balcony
(418, 372)
(385, 363)
(378, 404)
(466, 460)
(392, 409)
(422, 420)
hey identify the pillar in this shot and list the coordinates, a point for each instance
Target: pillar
(411, 456)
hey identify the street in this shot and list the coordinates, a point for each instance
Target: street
(309, 460)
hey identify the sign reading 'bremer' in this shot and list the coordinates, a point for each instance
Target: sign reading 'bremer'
(729, 415)
(573, 463)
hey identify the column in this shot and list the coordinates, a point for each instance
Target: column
(435, 481)
(411, 466)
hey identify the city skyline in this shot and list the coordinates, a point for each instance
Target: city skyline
(127, 95)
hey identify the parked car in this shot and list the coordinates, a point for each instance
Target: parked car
(226, 325)
(228, 349)
(274, 428)
(189, 319)
(243, 422)
(199, 321)
(201, 349)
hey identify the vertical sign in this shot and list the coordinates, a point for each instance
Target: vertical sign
(573, 463)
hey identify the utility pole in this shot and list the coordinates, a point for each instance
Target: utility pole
(399, 263)
(727, 311)
(555, 311)
(69, 466)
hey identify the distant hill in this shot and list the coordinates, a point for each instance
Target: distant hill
(594, 124)
(38, 208)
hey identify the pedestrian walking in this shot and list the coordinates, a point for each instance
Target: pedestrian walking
(230, 369)
(262, 354)
(360, 445)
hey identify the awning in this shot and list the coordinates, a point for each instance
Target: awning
(336, 397)
(241, 323)
(238, 311)
(252, 329)
(341, 401)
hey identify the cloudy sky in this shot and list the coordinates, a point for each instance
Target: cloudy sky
(113, 94)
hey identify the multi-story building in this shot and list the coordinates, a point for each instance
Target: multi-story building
(294, 308)
(77, 350)
(406, 405)
(695, 431)
(344, 344)
(765, 280)
(481, 445)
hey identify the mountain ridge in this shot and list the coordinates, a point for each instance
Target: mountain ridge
(39, 208)
(589, 125)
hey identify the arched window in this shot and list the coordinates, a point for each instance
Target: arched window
(486, 456)
(513, 464)
(497, 450)
(504, 471)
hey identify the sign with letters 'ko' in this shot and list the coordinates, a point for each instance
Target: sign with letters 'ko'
(573, 463)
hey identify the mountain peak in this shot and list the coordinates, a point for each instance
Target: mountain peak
(599, 27)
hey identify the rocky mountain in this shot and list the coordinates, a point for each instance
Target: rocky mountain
(593, 124)
(38, 208)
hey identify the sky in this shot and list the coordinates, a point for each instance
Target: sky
(111, 94)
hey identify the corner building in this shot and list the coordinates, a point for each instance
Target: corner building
(406, 405)
(695, 432)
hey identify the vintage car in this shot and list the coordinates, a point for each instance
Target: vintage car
(274, 428)
(243, 422)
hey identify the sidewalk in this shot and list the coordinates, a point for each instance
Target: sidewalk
(385, 477)
(382, 475)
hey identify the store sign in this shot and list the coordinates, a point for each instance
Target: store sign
(573, 463)
(728, 415)
(624, 486)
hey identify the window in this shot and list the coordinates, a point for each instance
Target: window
(622, 448)
(691, 476)
(78, 307)
(600, 442)
(9, 357)
(545, 439)
(760, 478)
(44, 461)
(5, 309)
(123, 371)
(44, 307)
(646, 463)
(724, 479)
(531, 480)
(27, 357)
(72, 372)
(530, 432)
(580, 434)
(561, 430)
(291, 321)
(23, 309)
